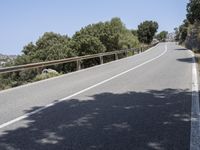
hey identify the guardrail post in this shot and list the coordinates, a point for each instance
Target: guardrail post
(116, 56)
(126, 54)
(39, 70)
(138, 51)
(101, 59)
(78, 64)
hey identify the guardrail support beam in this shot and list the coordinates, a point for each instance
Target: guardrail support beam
(78, 65)
(133, 52)
(126, 54)
(116, 56)
(101, 59)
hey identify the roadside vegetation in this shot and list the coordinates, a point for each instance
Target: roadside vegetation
(92, 39)
(188, 34)
(162, 36)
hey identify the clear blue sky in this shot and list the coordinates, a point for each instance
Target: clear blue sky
(23, 21)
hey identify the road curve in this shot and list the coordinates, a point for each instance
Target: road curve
(140, 102)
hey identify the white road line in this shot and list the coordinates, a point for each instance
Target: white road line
(195, 112)
(80, 92)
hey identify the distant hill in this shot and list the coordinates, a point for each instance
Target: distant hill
(4, 57)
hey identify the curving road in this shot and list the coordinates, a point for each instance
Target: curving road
(143, 102)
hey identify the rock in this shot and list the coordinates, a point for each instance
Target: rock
(46, 71)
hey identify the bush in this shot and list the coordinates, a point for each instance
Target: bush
(46, 76)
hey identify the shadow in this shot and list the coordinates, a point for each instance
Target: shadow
(152, 120)
(181, 49)
(187, 60)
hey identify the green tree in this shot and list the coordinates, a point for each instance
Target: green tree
(193, 11)
(52, 46)
(183, 31)
(193, 37)
(146, 31)
(176, 30)
(110, 33)
(134, 32)
(162, 36)
(87, 44)
(127, 40)
(29, 49)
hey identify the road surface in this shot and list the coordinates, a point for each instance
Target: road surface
(143, 102)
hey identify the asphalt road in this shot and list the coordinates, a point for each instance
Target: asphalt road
(137, 103)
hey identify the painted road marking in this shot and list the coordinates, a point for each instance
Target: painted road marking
(195, 112)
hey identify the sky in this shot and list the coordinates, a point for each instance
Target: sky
(24, 21)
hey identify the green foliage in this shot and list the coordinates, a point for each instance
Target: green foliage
(111, 34)
(183, 31)
(189, 32)
(193, 9)
(193, 38)
(162, 36)
(87, 44)
(134, 32)
(23, 59)
(50, 46)
(146, 31)
(45, 76)
(176, 34)
(127, 40)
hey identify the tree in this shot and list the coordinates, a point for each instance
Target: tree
(192, 40)
(193, 11)
(146, 31)
(87, 44)
(183, 31)
(134, 32)
(110, 34)
(127, 40)
(29, 49)
(176, 30)
(52, 46)
(162, 36)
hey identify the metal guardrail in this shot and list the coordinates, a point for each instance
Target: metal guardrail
(72, 59)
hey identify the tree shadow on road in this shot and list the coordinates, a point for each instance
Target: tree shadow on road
(181, 49)
(186, 60)
(152, 120)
